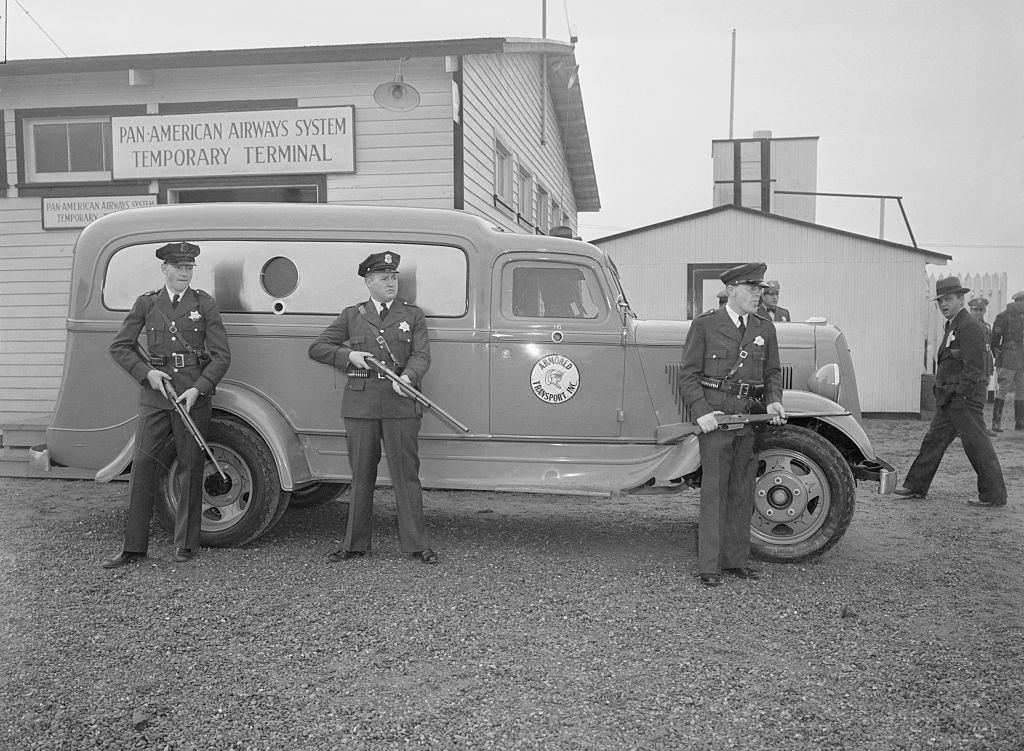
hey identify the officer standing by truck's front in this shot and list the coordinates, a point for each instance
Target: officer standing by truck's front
(730, 362)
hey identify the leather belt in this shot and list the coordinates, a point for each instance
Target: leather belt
(742, 390)
(177, 359)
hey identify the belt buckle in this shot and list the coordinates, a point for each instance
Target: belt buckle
(179, 359)
(744, 390)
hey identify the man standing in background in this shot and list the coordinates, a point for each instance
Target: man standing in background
(770, 303)
(1008, 347)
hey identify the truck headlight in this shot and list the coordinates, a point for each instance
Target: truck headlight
(825, 382)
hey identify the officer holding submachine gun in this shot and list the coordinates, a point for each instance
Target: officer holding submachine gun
(188, 355)
(393, 335)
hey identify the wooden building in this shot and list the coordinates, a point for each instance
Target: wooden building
(874, 290)
(493, 126)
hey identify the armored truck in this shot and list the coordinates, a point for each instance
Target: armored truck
(535, 349)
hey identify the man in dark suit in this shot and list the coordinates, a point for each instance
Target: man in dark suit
(1007, 343)
(375, 409)
(188, 350)
(769, 307)
(730, 365)
(961, 387)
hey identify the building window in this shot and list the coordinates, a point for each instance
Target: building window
(543, 210)
(503, 164)
(67, 150)
(525, 197)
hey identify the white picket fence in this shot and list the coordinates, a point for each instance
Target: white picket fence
(990, 286)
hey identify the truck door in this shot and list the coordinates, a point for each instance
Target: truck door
(556, 354)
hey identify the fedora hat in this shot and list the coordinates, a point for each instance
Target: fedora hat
(951, 284)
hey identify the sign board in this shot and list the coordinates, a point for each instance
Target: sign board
(76, 212)
(261, 142)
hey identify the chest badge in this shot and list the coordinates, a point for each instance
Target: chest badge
(403, 326)
(759, 341)
(195, 315)
(951, 339)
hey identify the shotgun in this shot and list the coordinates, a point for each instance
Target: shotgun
(414, 393)
(677, 431)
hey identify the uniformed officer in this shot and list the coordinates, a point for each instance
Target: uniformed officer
(769, 307)
(961, 388)
(188, 349)
(1008, 347)
(730, 365)
(375, 409)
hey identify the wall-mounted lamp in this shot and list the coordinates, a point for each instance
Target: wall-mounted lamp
(397, 95)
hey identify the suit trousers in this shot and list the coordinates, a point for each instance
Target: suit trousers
(958, 417)
(728, 466)
(401, 442)
(155, 426)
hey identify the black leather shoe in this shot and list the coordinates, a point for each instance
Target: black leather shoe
(743, 573)
(343, 555)
(984, 504)
(122, 559)
(427, 556)
(910, 494)
(183, 555)
(711, 580)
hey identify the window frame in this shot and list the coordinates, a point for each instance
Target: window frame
(504, 165)
(35, 177)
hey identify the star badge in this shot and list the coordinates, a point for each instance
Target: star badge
(403, 326)
(194, 315)
(759, 341)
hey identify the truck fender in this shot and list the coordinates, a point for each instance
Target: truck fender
(263, 416)
(806, 401)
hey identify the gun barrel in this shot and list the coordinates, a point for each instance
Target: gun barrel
(415, 393)
(193, 429)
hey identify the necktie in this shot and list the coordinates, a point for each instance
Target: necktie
(743, 327)
(174, 301)
(383, 311)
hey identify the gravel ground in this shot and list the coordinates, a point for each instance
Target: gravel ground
(551, 623)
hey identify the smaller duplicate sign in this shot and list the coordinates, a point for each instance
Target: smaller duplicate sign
(76, 212)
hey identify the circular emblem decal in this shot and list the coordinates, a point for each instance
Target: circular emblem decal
(555, 379)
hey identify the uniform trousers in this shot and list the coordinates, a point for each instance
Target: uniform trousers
(1009, 384)
(401, 442)
(728, 465)
(155, 425)
(959, 417)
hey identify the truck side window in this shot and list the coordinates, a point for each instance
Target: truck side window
(551, 291)
(296, 276)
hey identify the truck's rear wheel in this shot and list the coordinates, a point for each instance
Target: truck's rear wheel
(804, 495)
(240, 509)
(317, 493)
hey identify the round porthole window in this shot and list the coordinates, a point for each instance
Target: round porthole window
(279, 277)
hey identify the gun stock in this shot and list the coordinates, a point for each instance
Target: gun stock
(193, 429)
(676, 432)
(415, 393)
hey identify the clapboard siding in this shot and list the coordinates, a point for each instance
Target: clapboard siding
(872, 291)
(502, 99)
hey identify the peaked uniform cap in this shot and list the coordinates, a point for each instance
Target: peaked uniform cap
(386, 261)
(978, 303)
(179, 253)
(747, 273)
(949, 285)
(773, 285)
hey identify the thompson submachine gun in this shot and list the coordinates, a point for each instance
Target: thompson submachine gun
(676, 431)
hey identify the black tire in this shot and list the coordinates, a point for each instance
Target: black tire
(317, 493)
(804, 495)
(240, 510)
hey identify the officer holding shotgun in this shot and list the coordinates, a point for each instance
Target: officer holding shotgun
(730, 364)
(187, 355)
(375, 409)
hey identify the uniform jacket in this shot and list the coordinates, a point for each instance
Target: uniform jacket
(196, 321)
(356, 329)
(1008, 338)
(781, 313)
(713, 348)
(961, 360)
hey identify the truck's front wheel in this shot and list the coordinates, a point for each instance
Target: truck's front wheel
(237, 510)
(804, 495)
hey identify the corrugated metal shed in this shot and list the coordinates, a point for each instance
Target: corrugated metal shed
(874, 290)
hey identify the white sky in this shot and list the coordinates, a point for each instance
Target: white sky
(918, 98)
